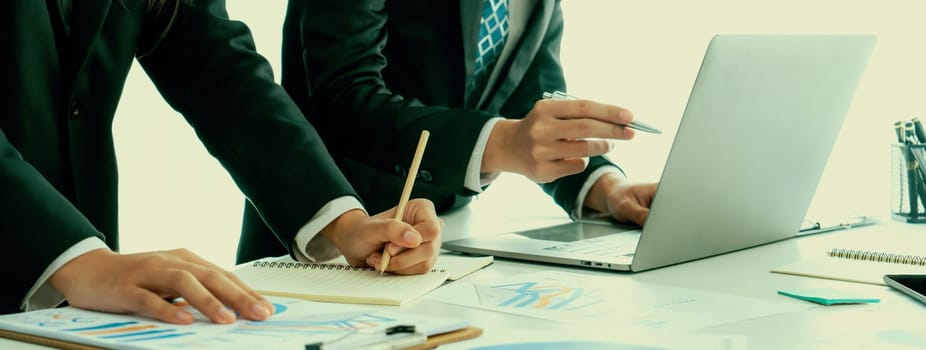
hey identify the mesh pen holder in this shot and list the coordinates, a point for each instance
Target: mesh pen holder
(908, 183)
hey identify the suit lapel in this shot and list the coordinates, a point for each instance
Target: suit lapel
(56, 13)
(522, 57)
(470, 12)
(87, 20)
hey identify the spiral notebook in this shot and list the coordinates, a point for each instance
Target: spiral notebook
(860, 266)
(341, 283)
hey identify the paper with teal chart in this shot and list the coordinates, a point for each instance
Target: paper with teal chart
(570, 297)
(295, 323)
(541, 294)
(594, 339)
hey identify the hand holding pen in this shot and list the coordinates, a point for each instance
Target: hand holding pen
(555, 138)
(636, 124)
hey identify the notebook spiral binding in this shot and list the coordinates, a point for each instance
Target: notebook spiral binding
(878, 256)
(310, 266)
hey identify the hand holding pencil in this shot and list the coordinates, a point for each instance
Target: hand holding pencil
(406, 193)
(403, 240)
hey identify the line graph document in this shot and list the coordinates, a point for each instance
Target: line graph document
(568, 297)
(295, 323)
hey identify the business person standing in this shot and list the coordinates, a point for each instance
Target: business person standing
(64, 70)
(370, 74)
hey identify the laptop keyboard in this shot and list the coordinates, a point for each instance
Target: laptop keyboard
(617, 245)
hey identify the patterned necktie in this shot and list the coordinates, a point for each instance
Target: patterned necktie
(493, 30)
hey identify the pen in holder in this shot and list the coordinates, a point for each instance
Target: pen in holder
(908, 188)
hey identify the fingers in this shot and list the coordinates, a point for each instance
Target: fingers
(415, 261)
(646, 193)
(401, 236)
(152, 305)
(634, 212)
(410, 261)
(564, 109)
(223, 287)
(627, 210)
(566, 149)
(555, 132)
(552, 170)
(591, 128)
(408, 239)
(190, 257)
(139, 282)
(634, 204)
(418, 233)
(186, 285)
(423, 218)
(414, 247)
(204, 288)
(384, 230)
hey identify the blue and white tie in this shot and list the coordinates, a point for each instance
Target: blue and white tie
(493, 30)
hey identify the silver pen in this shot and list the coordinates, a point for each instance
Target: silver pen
(814, 227)
(636, 124)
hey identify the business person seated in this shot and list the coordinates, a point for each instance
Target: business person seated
(370, 74)
(64, 71)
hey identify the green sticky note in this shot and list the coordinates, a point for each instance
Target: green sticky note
(827, 296)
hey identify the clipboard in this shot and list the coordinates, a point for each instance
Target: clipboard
(432, 342)
(56, 343)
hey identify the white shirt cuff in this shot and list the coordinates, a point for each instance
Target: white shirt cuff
(577, 213)
(42, 295)
(475, 179)
(312, 247)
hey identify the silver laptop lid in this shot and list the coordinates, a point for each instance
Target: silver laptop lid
(758, 129)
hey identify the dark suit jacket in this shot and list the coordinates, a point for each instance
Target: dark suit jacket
(371, 74)
(58, 176)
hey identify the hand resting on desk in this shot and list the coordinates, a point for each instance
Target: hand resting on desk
(140, 283)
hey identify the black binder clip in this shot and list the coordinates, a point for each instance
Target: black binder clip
(402, 328)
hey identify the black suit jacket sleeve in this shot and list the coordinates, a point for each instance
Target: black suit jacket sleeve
(32, 208)
(338, 46)
(208, 70)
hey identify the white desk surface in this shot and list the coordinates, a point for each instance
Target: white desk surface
(743, 273)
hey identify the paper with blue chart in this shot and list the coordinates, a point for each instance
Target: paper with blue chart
(295, 323)
(593, 338)
(569, 297)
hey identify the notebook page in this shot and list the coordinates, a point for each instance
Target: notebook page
(339, 283)
(458, 266)
(461, 266)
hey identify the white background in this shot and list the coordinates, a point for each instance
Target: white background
(643, 55)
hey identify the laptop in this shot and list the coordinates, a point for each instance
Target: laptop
(761, 120)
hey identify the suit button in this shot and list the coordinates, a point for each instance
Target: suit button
(401, 171)
(74, 111)
(425, 175)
